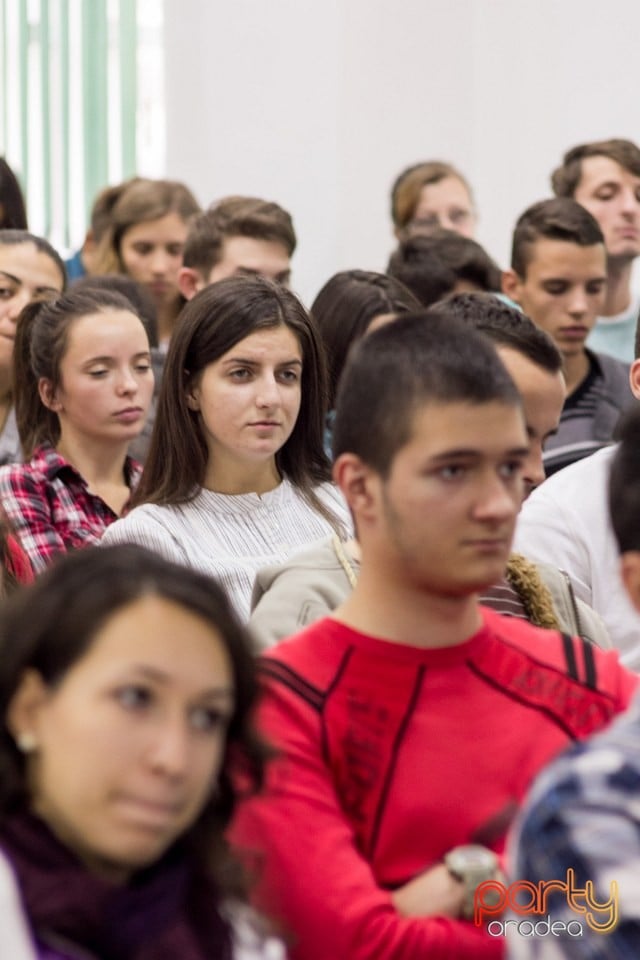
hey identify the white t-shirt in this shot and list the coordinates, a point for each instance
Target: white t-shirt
(566, 522)
(617, 335)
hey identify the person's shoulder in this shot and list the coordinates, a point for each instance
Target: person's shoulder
(319, 556)
(603, 770)
(147, 518)
(143, 512)
(547, 647)
(33, 472)
(613, 367)
(300, 591)
(559, 666)
(314, 654)
(580, 478)
(523, 635)
(573, 614)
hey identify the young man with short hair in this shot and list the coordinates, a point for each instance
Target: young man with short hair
(604, 176)
(237, 235)
(410, 723)
(558, 276)
(532, 360)
(310, 585)
(583, 812)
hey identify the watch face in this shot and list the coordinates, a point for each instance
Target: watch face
(471, 859)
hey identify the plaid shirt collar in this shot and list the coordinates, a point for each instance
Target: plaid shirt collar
(47, 460)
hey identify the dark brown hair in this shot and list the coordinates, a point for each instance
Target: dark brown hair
(431, 266)
(557, 219)
(624, 483)
(566, 178)
(42, 337)
(235, 217)
(15, 238)
(208, 327)
(346, 305)
(422, 358)
(13, 213)
(51, 624)
(506, 326)
(141, 303)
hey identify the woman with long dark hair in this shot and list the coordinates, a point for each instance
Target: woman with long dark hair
(236, 475)
(127, 688)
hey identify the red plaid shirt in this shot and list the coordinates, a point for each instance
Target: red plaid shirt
(50, 508)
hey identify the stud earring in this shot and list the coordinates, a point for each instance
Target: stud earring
(26, 742)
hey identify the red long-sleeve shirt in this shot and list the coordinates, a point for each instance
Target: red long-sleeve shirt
(390, 756)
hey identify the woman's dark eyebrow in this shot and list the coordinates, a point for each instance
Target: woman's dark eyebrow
(159, 676)
(108, 358)
(256, 363)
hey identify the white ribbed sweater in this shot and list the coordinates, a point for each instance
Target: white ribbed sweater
(231, 537)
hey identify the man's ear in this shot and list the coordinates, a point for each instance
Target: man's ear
(634, 379)
(48, 395)
(511, 285)
(358, 483)
(630, 573)
(190, 282)
(24, 710)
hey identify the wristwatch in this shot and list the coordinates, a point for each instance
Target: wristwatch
(472, 864)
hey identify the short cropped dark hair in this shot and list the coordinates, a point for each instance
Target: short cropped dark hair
(235, 217)
(565, 180)
(559, 218)
(624, 483)
(506, 326)
(424, 357)
(431, 266)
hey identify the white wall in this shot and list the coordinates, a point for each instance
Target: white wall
(318, 104)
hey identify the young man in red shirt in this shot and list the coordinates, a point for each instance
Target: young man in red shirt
(410, 723)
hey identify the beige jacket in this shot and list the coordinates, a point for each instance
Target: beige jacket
(315, 581)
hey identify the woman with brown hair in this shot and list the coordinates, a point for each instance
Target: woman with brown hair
(83, 386)
(115, 763)
(429, 195)
(147, 226)
(236, 474)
